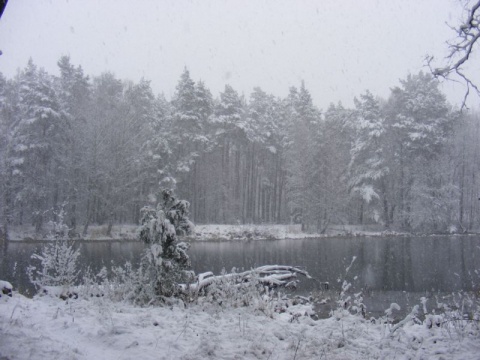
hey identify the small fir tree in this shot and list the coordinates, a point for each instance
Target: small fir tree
(165, 262)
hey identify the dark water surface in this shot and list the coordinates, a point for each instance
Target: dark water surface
(399, 269)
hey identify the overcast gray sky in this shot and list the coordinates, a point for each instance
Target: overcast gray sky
(340, 48)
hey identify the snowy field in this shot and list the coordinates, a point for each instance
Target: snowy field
(49, 328)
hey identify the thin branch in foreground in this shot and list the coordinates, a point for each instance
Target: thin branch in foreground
(461, 50)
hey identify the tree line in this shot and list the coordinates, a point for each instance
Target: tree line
(96, 150)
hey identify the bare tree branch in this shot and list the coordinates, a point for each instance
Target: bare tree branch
(461, 50)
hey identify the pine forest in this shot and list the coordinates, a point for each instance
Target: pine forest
(95, 150)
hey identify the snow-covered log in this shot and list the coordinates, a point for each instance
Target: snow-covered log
(269, 275)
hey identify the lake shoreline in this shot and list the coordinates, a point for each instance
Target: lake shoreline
(214, 232)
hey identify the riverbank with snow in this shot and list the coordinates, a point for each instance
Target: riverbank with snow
(129, 232)
(97, 328)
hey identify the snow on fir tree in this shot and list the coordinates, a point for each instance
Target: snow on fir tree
(165, 262)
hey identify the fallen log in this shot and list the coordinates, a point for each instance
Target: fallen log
(268, 275)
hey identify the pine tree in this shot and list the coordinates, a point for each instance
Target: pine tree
(40, 140)
(201, 176)
(186, 124)
(75, 98)
(420, 126)
(157, 150)
(107, 154)
(230, 133)
(6, 175)
(331, 167)
(303, 133)
(140, 167)
(264, 132)
(368, 167)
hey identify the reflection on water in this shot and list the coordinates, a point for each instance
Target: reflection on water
(382, 266)
(16, 257)
(388, 264)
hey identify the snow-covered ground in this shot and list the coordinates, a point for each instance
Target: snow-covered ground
(246, 232)
(262, 232)
(96, 328)
(209, 232)
(95, 232)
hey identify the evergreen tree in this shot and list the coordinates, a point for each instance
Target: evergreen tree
(332, 159)
(106, 155)
(231, 123)
(420, 126)
(166, 262)
(263, 132)
(186, 124)
(6, 165)
(464, 167)
(157, 148)
(74, 97)
(202, 174)
(368, 165)
(141, 112)
(303, 133)
(40, 140)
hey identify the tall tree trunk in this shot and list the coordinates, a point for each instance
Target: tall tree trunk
(251, 192)
(280, 197)
(385, 205)
(275, 189)
(462, 185)
(245, 188)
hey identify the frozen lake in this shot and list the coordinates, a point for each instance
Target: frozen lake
(399, 269)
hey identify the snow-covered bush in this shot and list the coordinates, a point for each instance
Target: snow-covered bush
(5, 288)
(131, 284)
(348, 302)
(230, 290)
(94, 285)
(58, 265)
(457, 313)
(122, 283)
(165, 262)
